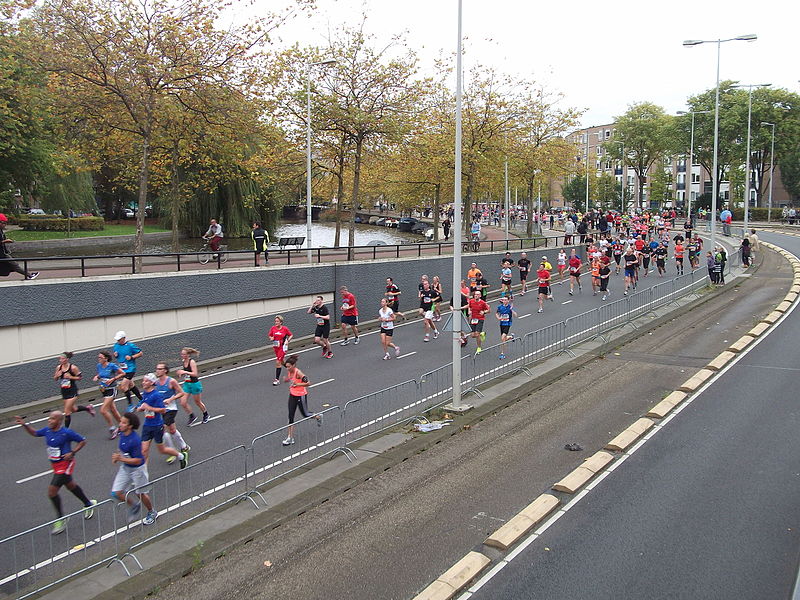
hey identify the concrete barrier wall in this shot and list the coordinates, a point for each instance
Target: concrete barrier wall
(219, 312)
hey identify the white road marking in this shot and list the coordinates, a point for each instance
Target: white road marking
(42, 474)
(525, 316)
(200, 421)
(567, 302)
(408, 354)
(321, 383)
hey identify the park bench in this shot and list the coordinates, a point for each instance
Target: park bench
(297, 242)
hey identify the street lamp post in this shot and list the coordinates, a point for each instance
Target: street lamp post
(771, 169)
(587, 172)
(714, 176)
(623, 177)
(457, 404)
(691, 156)
(308, 151)
(747, 155)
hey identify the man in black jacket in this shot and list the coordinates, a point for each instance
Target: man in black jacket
(260, 242)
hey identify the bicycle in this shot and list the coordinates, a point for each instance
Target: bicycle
(206, 254)
(474, 244)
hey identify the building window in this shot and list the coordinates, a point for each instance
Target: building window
(681, 178)
(608, 133)
(695, 177)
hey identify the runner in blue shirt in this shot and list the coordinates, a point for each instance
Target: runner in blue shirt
(505, 314)
(125, 355)
(132, 473)
(61, 454)
(153, 407)
(108, 374)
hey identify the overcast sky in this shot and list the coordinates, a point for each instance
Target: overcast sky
(602, 56)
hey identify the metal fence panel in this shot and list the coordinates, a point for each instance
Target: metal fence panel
(545, 342)
(313, 439)
(498, 360)
(187, 494)
(35, 559)
(582, 327)
(381, 410)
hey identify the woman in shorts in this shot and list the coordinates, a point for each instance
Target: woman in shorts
(67, 375)
(191, 383)
(298, 396)
(280, 336)
(561, 263)
(108, 374)
(436, 284)
(574, 272)
(386, 316)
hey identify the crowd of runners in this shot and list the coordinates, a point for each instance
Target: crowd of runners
(633, 250)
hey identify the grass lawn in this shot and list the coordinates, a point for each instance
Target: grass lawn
(111, 229)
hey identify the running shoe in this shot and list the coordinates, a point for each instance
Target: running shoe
(276, 382)
(129, 408)
(133, 511)
(604, 297)
(386, 356)
(89, 512)
(150, 517)
(570, 293)
(502, 356)
(324, 353)
(522, 293)
(113, 432)
(344, 343)
(184, 460)
(59, 526)
(32, 276)
(355, 341)
(171, 459)
(288, 441)
(427, 338)
(436, 334)
(205, 418)
(625, 293)
(192, 419)
(397, 350)
(329, 355)
(540, 310)
(90, 409)
(186, 448)
(478, 350)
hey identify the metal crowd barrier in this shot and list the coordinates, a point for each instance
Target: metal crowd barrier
(380, 410)
(35, 560)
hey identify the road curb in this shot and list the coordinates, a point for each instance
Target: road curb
(696, 380)
(630, 435)
(518, 526)
(663, 408)
(455, 578)
(581, 475)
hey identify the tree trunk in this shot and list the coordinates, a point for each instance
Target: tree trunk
(339, 193)
(640, 195)
(144, 175)
(529, 199)
(354, 198)
(176, 200)
(437, 197)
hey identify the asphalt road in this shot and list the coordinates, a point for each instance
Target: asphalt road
(390, 536)
(707, 508)
(244, 404)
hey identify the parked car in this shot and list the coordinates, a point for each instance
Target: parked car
(127, 213)
(36, 211)
(406, 223)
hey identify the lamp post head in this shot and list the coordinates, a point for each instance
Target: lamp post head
(692, 42)
(768, 124)
(749, 37)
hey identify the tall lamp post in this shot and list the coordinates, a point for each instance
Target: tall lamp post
(714, 176)
(747, 155)
(623, 177)
(771, 169)
(587, 172)
(457, 403)
(691, 155)
(308, 151)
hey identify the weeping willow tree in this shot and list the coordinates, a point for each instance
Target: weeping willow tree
(72, 191)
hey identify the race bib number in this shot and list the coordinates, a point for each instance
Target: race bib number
(65, 384)
(149, 414)
(320, 321)
(504, 317)
(276, 342)
(53, 453)
(474, 321)
(426, 299)
(122, 365)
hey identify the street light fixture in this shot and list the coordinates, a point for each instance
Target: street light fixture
(747, 155)
(623, 177)
(691, 157)
(714, 176)
(771, 168)
(330, 61)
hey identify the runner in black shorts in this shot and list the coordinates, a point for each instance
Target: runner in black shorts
(524, 268)
(322, 332)
(67, 375)
(393, 297)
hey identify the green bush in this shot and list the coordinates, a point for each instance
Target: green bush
(51, 223)
(756, 214)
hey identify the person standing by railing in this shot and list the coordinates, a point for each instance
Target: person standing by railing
(260, 242)
(61, 453)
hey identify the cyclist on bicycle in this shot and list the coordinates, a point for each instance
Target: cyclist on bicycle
(214, 235)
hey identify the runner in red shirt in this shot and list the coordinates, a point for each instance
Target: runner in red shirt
(349, 315)
(543, 276)
(280, 336)
(574, 272)
(478, 309)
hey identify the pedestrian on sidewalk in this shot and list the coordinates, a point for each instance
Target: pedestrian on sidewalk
(61, 453)
(8, 266)
(260, 242)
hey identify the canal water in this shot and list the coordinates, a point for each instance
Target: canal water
(323, 235)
